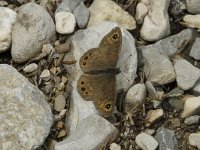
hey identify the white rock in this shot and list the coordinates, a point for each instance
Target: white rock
(191, 21)
(145, 2)
(84, 40)
(7, 19)
(114, 146)
(30, 68)
(65, 22)
(191, 107)
(59, 103)
(150, 131)
(146, 142)
(156, 23)
(135, 96)
(107, 10)
(141, 12)
(25, 116)
(186, 74)
(153, 115)
(194, 139)
(192, 119)
(195, 50)
(94, 132)
(193, 6)
(45, 75)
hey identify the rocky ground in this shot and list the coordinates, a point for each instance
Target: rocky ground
(157, 88)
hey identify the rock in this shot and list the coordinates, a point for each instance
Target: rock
(195, 53)
(193, 6)
(59, 103)
(3, 3)
(166, 139)
(146, 142)
(141, 11)
(47, 48)
(151, 90)
(172, 44)
(30, 68)
(94, 132)
(175, 92)
(68, 5)
(158, 68)
(150, 131)
(156, 24)
(33, 28)
(196, 89)
(194, 139)
(25, 116)
(7, 19)
(81, 14)
(65, 22)
(191, 21)
(153, 116)
(192, 120)
(177, 8)
(45, 75)
(84, 40)
(62, 133)
(107, 10)
(176, 103)
(191, 107)
(156, 103)
(186, 74)
(114, 146)
(135, 96)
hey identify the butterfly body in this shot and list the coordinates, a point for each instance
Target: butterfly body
(99, 67)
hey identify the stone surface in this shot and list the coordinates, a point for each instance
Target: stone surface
(135, 96)
(196, 89)
(186, 74)
(59, 103)
(193, 6)
(146, 142)
(177, 8)
(81, 14)
(84, 40)
(151, 90)
(191, 106)
(7, 19)
(176, 103)
(115, 146)
(107, 10)
(65, 22)
(158, 68)
(141, 12)
(30, 68)
(172, 44)
(156, 24)
(33, 28)
(194, 139)
(192, 21)
(153, 115)
(25, 116)
(195, 50)
(192, 120)
(45, 75)
(68, 5)
(93, 132)
(166, 139)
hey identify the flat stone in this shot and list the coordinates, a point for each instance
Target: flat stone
(192, 120)
(157, 67)
(166, 139)
(193, 6)
(7, 19)
(59, 103)
(107, 10)
(141, 11)
(194, 139)
(93, 132)
(146, 142)
(156, 24)
(186, 74)
(81, 14)
(33, 28)
(191, 107)
(30, 68)
(135, 96)
(65, 22)
(192, 21)
(25, 116)
(195, 52)
(82, 41)
(45, 75)
(153, 115)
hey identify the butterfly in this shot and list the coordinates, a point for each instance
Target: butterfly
(99, 67)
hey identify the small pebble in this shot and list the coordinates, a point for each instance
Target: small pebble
(192, 120)
(47, 48)
(59, 103)
(114, 146)
(30, 68)
(45, 75)
(153, 115)
(62, 133)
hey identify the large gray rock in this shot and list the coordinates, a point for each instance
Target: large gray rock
(25, 116)
(84, 40)
(195, 50)
(93, 132)
(33, 28)
(166, 139)
(186, 74)
(193, 6)
(156, 22)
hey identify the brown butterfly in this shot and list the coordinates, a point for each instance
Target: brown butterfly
(99, 67)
